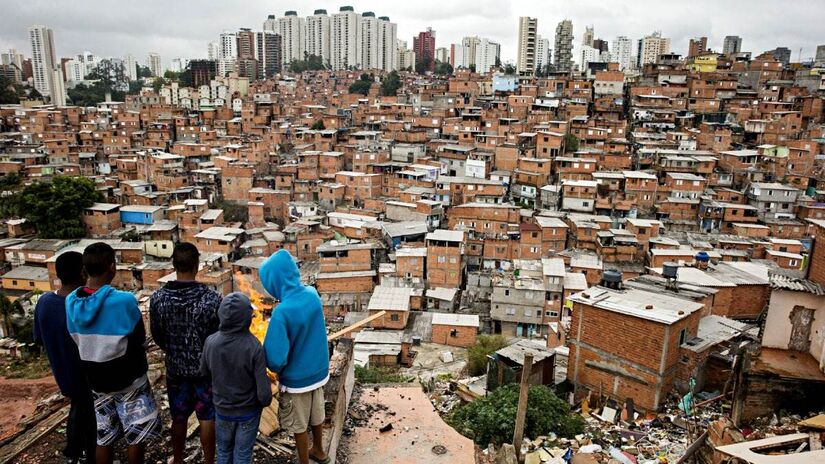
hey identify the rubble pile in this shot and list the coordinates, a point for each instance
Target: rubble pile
(442, 395)
(359, 413)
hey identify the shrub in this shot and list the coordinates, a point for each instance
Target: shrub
(492, 419)
(477, 354)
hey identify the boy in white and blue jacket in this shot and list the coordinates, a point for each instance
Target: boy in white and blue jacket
(107, 327)
(297, 350)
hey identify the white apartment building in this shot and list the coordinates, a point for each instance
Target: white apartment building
(486, 55)
(368, 42)
(319, 35)
(406, 57)
(131, 67)
(292, 29)
(75, 71)
(543, 52)
(622, 52)
(43, 58)
(154, 64)
(651, 47)
(344, 45)
(387, 37)
(527, 34)
(227, 52)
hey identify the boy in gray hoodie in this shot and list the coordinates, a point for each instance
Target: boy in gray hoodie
(235, 361)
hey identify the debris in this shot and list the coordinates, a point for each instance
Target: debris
(386, 428)
(447, 357)
(439, 449)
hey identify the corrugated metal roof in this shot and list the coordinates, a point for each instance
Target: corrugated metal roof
(783, 282)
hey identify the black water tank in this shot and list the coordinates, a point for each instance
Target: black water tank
(670, 270)
(612, 278)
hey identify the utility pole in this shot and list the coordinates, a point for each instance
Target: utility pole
(521, 412)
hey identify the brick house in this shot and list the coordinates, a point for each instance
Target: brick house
(641, 359)
(455, 329)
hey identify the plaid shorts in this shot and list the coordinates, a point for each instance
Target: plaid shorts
(188, 395)
(130, 413)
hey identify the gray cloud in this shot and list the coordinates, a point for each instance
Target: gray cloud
(182, 28)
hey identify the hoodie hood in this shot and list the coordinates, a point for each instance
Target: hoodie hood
(280, 275)
(84, 311)
(235, 313)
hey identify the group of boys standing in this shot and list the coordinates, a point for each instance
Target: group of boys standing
(95, 340)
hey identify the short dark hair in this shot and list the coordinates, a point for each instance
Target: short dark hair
(69, 267)
(98, 258)
(186, 257)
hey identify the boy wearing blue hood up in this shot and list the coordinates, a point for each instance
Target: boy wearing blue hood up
(296, 350)
(107, 327)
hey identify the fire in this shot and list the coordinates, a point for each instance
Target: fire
(259, 324)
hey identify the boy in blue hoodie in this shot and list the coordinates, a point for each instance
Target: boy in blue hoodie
(297, 350)
(107, 327)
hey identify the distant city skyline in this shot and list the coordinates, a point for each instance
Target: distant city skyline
(184, 29)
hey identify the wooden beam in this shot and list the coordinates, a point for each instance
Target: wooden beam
(521, 412)
(10, 452)
(357, 325)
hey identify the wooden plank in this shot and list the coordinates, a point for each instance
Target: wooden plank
(521, 412)
(357, 325)
(10, 452)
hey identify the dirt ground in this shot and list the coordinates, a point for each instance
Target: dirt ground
(19, 398)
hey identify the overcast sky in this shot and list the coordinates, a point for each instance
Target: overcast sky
(182, 28)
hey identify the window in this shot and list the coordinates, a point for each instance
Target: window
(511, 311)
(394, 317)
(506, 292)
(793, 263)
(453, 260)
(682, 336)
(442, 259)
(553, 313)
(527, 313)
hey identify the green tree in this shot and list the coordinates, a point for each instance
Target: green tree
(362, 85)
(158, 83)
(423, 65)
(477, 354)
(492, 419)
(443, 69)
(571, 143)
(143, 71)
(509, 69)
(108, 77)
(309, 63)
(8, 92)
(390, 84)
(34, 94)
(55, 208)
(318, 125)
(10, 180)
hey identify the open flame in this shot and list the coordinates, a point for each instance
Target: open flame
(259, 324)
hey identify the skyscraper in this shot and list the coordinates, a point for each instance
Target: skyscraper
(588, 36)
(387, 39)
(486, 55)
(424, 48)
(268, 53)
(213, 50)
(131, 67)
(564, 45)
(622, 52)
(43, 59)
(319, 35)
(291, 27)
(697, 46)
(732, 44)
(543, 53)
(344, 45)
(650, 47)
(154, 64)
(227, 52)
(369, 52)
(527, 35)
(247, 64)
(782, 54)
